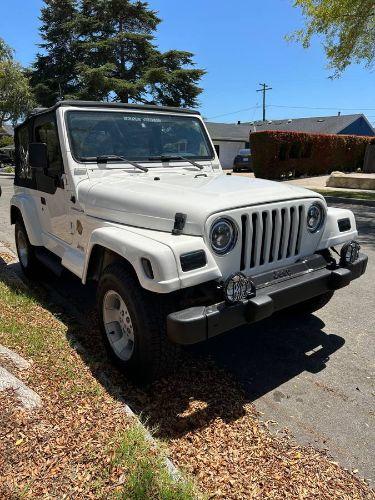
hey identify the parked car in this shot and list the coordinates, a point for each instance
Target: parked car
(242, 161)
(133, 198)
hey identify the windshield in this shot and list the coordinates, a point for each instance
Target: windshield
(136, 136)
(244, 152)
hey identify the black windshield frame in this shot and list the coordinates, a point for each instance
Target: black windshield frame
(90, 160)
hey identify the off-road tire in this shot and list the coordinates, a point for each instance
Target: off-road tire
(29, 265)
(153, 354)
(312, 305)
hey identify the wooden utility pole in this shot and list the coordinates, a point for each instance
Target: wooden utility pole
(264, 90)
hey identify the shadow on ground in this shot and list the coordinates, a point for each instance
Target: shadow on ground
(267, 354)
(365, 219)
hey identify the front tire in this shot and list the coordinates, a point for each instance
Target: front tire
(133, 324)
(25, 251)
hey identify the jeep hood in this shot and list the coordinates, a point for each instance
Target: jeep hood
(151, 200)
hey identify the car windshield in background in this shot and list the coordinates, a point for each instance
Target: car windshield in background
(136, 136)
(244, 152)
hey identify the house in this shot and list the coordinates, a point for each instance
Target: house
(229, 138)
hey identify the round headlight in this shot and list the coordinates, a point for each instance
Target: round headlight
(315, 217)
(223, 236)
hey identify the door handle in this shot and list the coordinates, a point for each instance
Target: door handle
(43, 200)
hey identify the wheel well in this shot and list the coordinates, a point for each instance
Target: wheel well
(102, 257)
(15, 214)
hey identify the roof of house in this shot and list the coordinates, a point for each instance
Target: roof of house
(228, 131)
(316, 124)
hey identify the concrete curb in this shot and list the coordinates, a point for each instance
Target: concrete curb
(352, 201)
(5, 174)
(173, 471)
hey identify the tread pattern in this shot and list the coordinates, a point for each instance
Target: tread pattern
(155, 355)
(33, 268)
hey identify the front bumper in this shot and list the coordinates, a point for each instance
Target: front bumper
(304, 281)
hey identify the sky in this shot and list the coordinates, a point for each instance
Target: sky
(240, 44)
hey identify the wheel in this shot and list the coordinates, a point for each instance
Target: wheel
(133, 324)
(25, 250)
(312, 305)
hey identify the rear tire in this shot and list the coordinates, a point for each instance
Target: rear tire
(25, 251)
(133, 324)
(312, 305)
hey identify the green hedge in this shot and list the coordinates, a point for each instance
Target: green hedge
(276, 155)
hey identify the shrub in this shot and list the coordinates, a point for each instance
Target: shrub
(5, 140)
(278, 154)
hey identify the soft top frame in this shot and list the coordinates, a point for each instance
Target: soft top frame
(107, 105)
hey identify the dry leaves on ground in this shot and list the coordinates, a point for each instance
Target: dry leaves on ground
(200, 412)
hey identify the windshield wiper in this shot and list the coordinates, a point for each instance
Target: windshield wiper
(103, 159)
(176, 157)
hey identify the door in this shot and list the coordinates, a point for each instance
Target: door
(50, 183)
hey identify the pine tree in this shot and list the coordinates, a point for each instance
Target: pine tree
(54, 71)
(117, 46)
(104, 50)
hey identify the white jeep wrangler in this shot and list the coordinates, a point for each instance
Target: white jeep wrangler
(134, 198)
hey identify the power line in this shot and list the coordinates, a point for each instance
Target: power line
(309, 107)
(294, 107)
(264, 89)
(234, 112)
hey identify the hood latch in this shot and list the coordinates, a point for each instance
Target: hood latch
(179, 223)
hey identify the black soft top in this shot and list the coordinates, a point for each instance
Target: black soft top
(110, 105)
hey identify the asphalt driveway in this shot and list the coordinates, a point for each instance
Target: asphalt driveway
(314, 376)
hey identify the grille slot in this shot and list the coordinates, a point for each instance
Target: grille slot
(271, 235)
(244, 223)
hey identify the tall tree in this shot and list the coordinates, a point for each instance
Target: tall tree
(15, 94)
(104, 50)
(347, 26)
(6, 52)
(54, 71)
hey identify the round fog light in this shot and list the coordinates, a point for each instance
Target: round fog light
(350, 252)
(238, 288)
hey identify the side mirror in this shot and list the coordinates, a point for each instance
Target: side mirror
(38, 157)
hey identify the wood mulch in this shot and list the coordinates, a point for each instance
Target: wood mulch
(211, 432)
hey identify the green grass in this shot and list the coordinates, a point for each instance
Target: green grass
(339, 193)
(148, 476)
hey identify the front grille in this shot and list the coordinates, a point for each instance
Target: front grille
(271, 235)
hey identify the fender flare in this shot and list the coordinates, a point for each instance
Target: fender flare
(26, 207)
(133, 247)
(331, 234)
